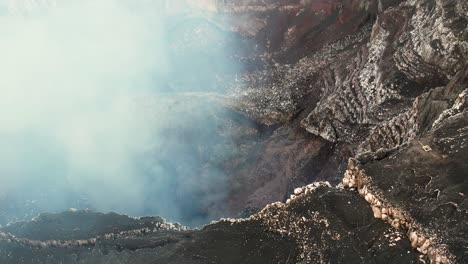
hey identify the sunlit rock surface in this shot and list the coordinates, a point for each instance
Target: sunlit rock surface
(381, 82)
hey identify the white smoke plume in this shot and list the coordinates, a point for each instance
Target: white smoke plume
(73, 130)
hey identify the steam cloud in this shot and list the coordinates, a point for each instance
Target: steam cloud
(86, 116)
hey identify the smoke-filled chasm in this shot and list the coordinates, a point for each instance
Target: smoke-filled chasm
(98, 110)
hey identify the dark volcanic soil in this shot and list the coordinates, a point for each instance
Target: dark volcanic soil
(382, 84)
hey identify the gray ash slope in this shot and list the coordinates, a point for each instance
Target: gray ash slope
(381, 82)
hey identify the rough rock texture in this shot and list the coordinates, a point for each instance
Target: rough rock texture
(381, 82)
(363, 75)
(315, 226)
(422, 187)
(369, 76)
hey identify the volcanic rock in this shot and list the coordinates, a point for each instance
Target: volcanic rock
(368, 99)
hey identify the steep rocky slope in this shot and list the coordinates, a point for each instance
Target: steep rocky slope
(360, 76)
(418, 191)
(381, 83)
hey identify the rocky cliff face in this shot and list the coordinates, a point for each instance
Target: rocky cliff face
(360, 76)
(381, 83)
